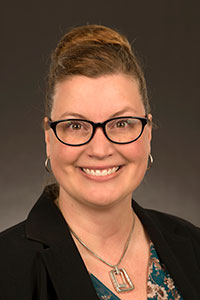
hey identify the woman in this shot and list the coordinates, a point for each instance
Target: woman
(86, 238)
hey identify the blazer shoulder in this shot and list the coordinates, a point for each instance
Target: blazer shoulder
(17, 252)
(12, 236)
(179, 225)
(15, 239)
(13, 230)
(18, 261)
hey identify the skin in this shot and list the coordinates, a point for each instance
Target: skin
(88, 202)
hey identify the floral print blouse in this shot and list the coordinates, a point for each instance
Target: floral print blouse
(160, 286)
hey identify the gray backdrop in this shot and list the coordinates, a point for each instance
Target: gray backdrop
(166, 35)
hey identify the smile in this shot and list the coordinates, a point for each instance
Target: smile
(104, 172)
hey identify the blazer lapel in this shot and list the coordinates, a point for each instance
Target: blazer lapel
(174, 248)
(59, 257)
(68, 273)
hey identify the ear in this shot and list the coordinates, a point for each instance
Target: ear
(47, 136)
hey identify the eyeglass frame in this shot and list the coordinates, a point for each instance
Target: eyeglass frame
(53, 124)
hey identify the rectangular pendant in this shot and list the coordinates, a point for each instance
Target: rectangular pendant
(125, 284)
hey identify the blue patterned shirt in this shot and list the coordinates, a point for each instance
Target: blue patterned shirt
(160, 285)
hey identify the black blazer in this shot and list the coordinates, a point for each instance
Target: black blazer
(39, 260)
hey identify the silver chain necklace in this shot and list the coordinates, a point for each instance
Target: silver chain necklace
(119, 277)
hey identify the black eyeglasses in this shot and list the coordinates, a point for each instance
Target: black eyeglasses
(78, 132)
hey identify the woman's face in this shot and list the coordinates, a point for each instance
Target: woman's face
(98, 99)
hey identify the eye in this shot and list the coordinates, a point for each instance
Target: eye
(75, 125)
(124, 123)
(121, 123)
(70, 126)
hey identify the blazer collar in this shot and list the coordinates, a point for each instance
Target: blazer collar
(45, 222)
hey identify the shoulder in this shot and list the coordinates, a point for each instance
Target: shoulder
(14, 239)
(16, 231)
(18, 257)
(15, 249)
(181, 227)
(167, 223)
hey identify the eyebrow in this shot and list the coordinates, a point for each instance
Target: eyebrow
(72, 114)
(120, 112)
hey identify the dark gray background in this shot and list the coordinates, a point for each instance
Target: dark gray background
(166, 35)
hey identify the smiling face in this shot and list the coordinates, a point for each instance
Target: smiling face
(99, 173)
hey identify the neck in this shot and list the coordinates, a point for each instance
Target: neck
(98, 226)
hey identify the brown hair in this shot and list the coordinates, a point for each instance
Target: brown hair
(92, 51)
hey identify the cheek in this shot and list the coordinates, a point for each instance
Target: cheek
(136, 152)
(63, 158)
(63, 154)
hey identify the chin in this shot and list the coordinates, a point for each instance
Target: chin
(100, 203)
(105, 198)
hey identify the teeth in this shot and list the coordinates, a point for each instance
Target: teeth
(100, 172)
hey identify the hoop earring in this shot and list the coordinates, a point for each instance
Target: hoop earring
(150, 162)
(46, 165)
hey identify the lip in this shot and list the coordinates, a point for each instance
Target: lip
(101, 178)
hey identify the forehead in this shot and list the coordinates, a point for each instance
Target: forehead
(97, 97)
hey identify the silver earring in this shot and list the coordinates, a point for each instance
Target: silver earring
(46, 165)
(150, 162)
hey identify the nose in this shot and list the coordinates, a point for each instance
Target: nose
(100, 147)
